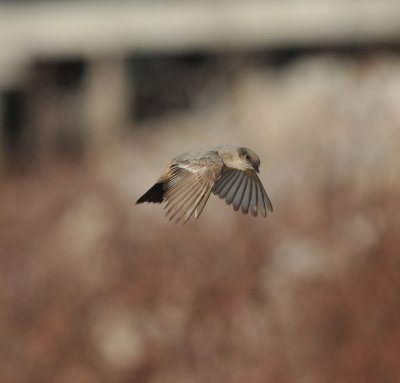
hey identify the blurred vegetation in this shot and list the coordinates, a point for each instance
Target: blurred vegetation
(96, 289)
(96, 98)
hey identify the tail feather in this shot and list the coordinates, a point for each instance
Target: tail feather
(155, 194)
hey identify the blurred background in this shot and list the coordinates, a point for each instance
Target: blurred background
(97, 97)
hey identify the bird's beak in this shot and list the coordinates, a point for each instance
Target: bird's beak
(257, 170)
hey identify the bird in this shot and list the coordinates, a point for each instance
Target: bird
(225, 170)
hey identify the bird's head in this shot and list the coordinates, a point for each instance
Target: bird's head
(249, 159)
(239, 158)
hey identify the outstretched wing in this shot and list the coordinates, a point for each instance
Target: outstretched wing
(188, 185)
(243, 189)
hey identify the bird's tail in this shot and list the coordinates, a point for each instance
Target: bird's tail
(155, 194)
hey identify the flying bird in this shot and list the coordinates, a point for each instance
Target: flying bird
(228, 171)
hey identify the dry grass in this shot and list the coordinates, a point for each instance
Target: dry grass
(96, 289)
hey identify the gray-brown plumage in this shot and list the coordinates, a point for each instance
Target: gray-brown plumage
(228, 171)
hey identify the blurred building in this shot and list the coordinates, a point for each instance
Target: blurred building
(76, 74)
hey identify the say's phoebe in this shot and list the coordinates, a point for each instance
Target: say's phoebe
(228, 171)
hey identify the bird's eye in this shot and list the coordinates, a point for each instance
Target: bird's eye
(248, 157)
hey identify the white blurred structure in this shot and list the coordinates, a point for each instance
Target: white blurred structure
(92, 28)
(95, 31)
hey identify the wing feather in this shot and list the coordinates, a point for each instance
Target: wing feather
(234, 189)
(181, 199)
(239, 195)
(223, 181)
(199, 208)
(261, 204)
(188, 185)
(267, 201)
(244, 190)
(247, 196)
(253, 199)
(201, 199)
(229, 185)
(184, 208)
(179, 192)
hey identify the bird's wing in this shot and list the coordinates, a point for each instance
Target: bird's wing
(188, 185)
(243, 188)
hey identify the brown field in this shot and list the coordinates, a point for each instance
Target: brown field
(96, 289)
